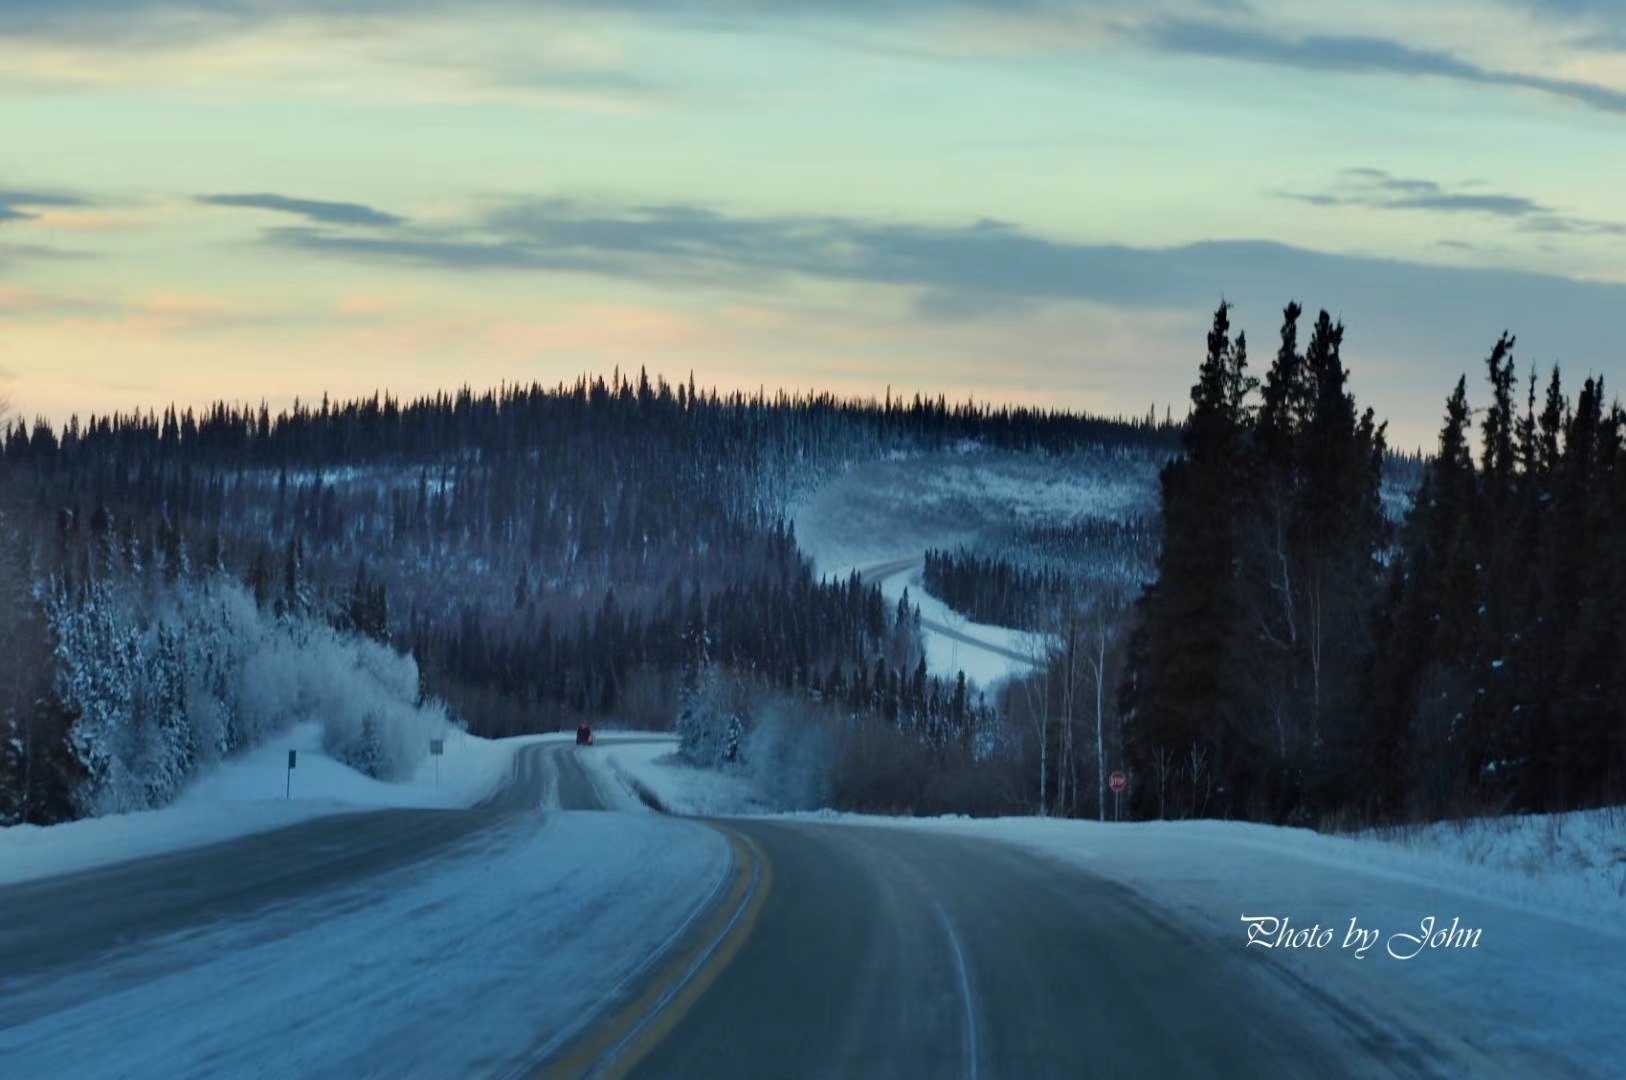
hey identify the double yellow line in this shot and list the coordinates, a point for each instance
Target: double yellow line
(614, 1049)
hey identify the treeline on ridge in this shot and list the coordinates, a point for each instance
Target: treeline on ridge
(539, 553)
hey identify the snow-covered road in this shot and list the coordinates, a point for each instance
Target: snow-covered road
(393, 944)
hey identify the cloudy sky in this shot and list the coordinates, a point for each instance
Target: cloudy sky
(1018, 200)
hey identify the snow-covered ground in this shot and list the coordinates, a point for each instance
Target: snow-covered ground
(1576, 862)
(513, 937)
(1544, 978)
(464, 965)
(679, 788)
(254, 793)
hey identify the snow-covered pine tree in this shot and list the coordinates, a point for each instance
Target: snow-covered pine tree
(166, 750)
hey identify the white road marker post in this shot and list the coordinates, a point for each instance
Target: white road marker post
(288, 793)
(437, 747)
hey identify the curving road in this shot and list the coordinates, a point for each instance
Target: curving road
(874, 575)
(901, 953)
(834, 950)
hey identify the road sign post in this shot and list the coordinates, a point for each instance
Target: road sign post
(288, 793)
(1117, 782)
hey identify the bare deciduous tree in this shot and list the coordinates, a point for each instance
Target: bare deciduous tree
(1101, 632)
(1036, 689)
(1163, 764)
(1198, 767)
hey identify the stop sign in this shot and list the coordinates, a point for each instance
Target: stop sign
(1118, 781)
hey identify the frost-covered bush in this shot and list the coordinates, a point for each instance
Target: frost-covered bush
(159, 686)
(783, 744)
(790, 755)
(714, 719)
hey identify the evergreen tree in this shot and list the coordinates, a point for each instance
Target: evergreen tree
(1179, 693)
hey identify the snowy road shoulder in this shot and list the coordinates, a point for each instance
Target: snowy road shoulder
(648, 761)
(257, 793)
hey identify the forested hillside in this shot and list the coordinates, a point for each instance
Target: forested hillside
(612, 549)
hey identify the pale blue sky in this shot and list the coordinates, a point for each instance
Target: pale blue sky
(1015, 199)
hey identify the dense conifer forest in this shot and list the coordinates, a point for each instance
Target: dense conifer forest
(1029, 577)
(1300, 659)
(607, 549)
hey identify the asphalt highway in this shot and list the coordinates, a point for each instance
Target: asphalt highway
(838, 951)
(69, 921)
(901, 953)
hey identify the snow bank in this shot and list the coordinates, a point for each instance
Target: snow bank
(649, 761)
(1576, 861)
(254, 793)
(468, 965)
(468, 769)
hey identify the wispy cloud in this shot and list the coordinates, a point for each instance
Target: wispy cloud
(326, 213)
(1573, 10)
(1379, 189)
(983, 265)
(1354, 54)
(20, 205)
(115, 20)
(25, 302)
(1231, 29)
(1414, 325)
(1592, 24)
(12, 254)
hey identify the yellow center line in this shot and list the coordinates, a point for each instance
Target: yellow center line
(637, 1029)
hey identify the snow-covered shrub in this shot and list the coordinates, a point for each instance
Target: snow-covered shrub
(714, 719)
(790, 755)
(99, 654)
(158, 687)
(365, 699)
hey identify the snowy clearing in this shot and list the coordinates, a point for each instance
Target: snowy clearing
(253, 793)
(898, 508)
(465, 965)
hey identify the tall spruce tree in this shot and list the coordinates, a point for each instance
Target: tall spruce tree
(1178, 693)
